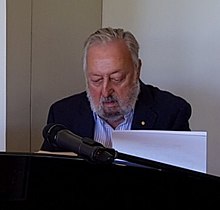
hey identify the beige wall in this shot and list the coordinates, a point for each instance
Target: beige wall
(18, 75)
(44, 48)
(2, 75)
(180, 48)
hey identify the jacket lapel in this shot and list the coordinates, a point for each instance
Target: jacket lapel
(86, 122)
(144, 119)
(144, 116)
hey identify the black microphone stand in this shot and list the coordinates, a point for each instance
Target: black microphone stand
(105, 155)
(109, 156)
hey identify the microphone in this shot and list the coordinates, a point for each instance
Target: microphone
(58, 135)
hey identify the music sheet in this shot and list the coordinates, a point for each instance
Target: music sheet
(187, 149)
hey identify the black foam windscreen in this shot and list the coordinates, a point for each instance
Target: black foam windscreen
(50, 131)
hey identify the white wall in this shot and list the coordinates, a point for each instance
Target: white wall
(2, 73)
(180, 50)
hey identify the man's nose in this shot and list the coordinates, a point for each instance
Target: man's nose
(107, 88)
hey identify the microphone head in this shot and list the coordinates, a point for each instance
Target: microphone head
(50, 131)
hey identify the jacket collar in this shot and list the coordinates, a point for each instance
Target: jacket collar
(144, 116)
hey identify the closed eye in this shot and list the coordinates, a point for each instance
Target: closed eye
(96, 81)
(116, 79)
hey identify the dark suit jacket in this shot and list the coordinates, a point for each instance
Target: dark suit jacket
(158, 109)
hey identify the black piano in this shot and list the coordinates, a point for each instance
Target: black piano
(49, 181)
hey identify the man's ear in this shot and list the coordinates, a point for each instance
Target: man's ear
(139, 67)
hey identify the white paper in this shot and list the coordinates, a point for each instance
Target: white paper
(185, 149)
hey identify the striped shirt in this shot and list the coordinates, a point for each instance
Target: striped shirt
(103, 131)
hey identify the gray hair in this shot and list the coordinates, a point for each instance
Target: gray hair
(104, 35)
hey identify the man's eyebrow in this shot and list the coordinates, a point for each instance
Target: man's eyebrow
(95, 74)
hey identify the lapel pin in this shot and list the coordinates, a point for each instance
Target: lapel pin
(143, 123)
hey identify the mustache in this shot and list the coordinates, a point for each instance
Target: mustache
(109, 99)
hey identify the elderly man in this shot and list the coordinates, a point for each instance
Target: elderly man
(115, 97)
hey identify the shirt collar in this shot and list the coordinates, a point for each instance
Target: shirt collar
(127, 117)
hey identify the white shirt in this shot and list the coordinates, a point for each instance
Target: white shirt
(103, 131)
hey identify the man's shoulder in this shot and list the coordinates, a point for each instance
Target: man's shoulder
(72, 100)
(161, 95)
